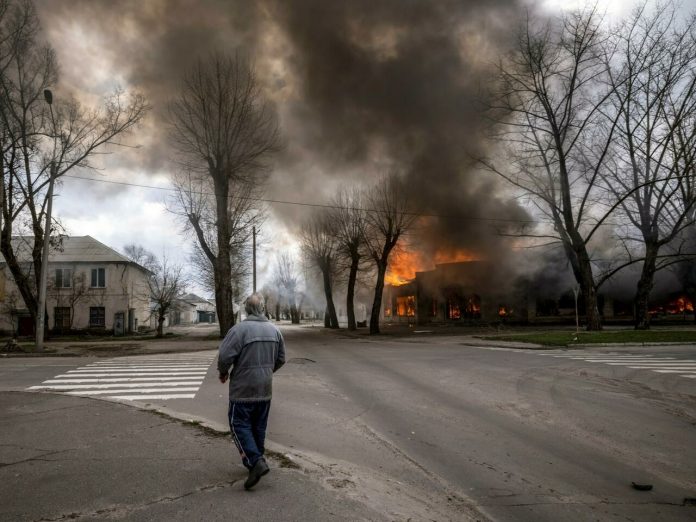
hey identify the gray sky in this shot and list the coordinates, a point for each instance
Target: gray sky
(360, 87)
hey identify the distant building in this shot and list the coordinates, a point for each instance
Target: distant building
(192, 309)
(90, 286)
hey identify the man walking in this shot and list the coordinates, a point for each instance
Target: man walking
(254, 349)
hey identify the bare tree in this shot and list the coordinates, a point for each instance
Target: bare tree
(271, 298)
(240, 262)
(224, 132)
(653, 83)
(386, 222)
(319, 245)
(287, 280)
(549, 109)
(141, 256)
(348, 223)
(165, 282)
(40, 138)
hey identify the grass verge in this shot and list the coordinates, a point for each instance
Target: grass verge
(569, 338)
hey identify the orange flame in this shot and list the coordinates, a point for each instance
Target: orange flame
(678, 306)
(404, 265)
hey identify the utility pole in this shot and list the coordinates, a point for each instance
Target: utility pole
(41, 313)
(253, 255)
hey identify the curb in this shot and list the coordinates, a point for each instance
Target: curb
(532, 346)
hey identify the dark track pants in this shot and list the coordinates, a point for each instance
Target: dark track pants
(248, 427)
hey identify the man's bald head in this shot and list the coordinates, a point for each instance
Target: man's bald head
(254, 304)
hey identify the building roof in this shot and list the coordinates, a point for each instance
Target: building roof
(74, 249)
(193, 298)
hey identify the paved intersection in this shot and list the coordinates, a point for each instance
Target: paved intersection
(659, 364)
(161, 377)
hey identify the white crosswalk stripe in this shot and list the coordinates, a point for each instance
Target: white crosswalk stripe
(667, 365)
(135, 378)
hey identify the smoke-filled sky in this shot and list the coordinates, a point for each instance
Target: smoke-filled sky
(361, 87)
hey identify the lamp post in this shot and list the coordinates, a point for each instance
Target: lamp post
(253, 250)
(40, 316)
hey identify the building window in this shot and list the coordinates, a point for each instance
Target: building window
(97, 316)
(453, 311)
(98, 278)
(406, 306)
(61, 318)
(473, 307)
(63, 277)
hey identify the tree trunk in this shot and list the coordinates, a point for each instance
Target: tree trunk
(350, 293)
(330, 307)
(222, 266)
(645, 285)
(160, 326)
(377, 302)
(589, 293)
(294, 315)
(277, 310)
(26, 289)
(223, 297)
(327, 318)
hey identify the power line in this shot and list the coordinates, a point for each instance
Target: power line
(305, 204)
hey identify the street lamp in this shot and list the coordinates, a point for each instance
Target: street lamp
(40, 316)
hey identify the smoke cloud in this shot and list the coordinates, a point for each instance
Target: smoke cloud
(361, 87)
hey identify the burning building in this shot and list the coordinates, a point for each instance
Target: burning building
(461, 292)
(476, 291)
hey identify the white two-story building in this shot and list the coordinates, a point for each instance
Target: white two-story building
(90, 286)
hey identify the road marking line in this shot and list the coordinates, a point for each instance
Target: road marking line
(146, 390)
(626, 360)
(168, 357)
(656, 365)
(602, 356)
(129, 374)
(139, 369)
(136, 375)
(113, 385)
(675, 367)
(668, 371)
(146, 367)
(607, 358)
(149, 361)
(94, 366)
(143, 397)
(117, 379)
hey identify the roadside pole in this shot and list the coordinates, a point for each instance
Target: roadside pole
(253, 249)
(41, 312)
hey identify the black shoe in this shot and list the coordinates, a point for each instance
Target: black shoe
(255, 473)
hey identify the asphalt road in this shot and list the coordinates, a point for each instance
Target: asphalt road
(430, 428)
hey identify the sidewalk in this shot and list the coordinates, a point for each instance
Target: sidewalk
(185, 340)
(76, 458)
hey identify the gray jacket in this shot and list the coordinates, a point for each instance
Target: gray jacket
(254, 349)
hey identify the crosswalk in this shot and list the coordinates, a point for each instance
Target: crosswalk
(662, 364)
(162, 377)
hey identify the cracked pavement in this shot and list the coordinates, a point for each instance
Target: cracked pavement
(109, 461)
